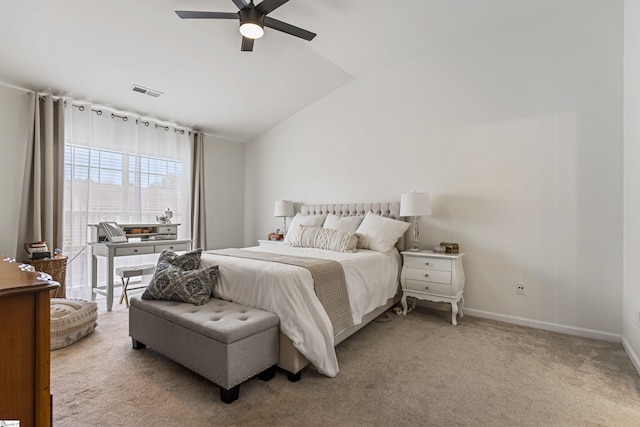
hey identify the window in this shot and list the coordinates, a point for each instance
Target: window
(117, 170)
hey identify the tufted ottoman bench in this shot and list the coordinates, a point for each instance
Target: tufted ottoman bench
(224, 342)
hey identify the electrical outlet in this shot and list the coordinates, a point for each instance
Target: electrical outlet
(520, 288)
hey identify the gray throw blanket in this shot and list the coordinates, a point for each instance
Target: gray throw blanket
(329, 282)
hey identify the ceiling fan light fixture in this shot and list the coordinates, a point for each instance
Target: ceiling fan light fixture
(251, 30)
(251, 23)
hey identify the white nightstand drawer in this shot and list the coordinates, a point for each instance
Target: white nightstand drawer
(428, 275)
(428, 287)
(173, 247)
(140, 250)
(430, 263)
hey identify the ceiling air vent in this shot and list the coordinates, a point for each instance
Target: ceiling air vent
(146, 91)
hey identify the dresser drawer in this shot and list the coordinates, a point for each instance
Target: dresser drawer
(428, 287)
(430, 263)
(173, 247)
(140, 250)
(437, 276)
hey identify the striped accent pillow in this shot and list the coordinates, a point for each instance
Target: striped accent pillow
(325, 238)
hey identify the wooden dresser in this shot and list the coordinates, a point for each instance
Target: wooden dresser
(24, 342)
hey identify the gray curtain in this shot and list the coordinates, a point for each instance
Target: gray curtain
(198, 217)
(41, 209)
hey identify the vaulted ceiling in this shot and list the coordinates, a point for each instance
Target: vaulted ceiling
(96, 50)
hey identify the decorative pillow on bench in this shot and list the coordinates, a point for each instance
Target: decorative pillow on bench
(178, 278)
(186, 261)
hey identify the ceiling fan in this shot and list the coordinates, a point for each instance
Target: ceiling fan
(253, 19)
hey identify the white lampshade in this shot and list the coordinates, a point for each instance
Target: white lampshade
(283, 208)
(415, 204)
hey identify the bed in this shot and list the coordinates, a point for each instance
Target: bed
(307, 333)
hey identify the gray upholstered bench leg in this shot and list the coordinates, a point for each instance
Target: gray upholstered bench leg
(231, 395)
(268, 373)
(137, 345)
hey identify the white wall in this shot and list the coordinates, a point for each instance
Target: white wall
(14, 126)
(224, 192)
(518, 137)
(631, 289)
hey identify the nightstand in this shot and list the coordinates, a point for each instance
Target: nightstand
(270, 242)
(433, 277)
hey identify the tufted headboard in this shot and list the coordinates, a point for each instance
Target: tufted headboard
(391, 210)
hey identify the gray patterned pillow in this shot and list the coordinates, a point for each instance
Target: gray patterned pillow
(186, 261)
(173, 284)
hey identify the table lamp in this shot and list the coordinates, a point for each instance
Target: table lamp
(283, 208)
(415, 204)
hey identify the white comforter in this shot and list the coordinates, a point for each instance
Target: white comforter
(286, 290)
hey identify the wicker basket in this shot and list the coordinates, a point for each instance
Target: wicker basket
(57, 269)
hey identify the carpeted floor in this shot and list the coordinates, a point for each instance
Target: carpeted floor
(399, 371)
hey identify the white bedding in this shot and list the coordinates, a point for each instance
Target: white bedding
(286, 290)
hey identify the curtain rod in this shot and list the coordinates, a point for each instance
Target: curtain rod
(114, 115)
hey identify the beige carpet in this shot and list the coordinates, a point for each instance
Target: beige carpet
(417, 370)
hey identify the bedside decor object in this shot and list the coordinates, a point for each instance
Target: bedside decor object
(415, 204)
(450, 248)
(433, 277)
(275, 236)
(283, 208)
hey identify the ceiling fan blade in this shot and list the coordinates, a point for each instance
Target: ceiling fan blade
(247, 44)
(240, 3)
(187, 14)
(288, 28)
(270, 5)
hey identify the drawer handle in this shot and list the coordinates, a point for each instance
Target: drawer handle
(426, 263)
(135, 250)
(426, 275)
(170, 247)
(426, 288)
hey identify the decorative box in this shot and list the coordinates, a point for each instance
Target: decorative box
(450, 248)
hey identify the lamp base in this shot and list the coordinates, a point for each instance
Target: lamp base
(415, 249)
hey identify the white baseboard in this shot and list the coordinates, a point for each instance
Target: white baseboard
(554, 327)
(632, 355)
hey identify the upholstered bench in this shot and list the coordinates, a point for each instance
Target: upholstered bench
(224, 342)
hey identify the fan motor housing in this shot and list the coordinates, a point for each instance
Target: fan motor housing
(251, 15)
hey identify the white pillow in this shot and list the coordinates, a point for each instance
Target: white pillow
(299, 219)
(379, 233)
(343, 223)
(325, 238)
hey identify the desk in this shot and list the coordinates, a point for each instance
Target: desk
(112, 250)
